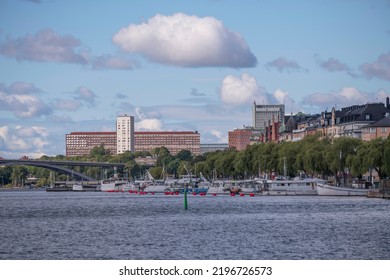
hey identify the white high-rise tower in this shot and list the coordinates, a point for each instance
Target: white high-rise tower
(124, 134)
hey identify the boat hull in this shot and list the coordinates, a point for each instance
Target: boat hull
(291, 187)
(327, 190)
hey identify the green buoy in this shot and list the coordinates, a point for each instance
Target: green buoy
(185, 199)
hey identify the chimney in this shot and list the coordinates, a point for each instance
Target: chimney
(388, 103)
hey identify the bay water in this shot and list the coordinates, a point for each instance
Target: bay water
(97, 225)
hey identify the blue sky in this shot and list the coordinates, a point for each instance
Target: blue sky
(181, 65)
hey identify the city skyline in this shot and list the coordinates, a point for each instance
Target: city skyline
(191, 65)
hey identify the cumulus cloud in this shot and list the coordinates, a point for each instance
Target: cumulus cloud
(144, 122)
(283, 64)
(23, 139)
(19, 98)
(379, 69)
(219, 136)
(241, 90)
(186, 41)
(280, 96)
(44, 46)
(345, 97)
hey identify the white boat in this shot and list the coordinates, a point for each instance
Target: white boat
(219, 187)
(248, 186)
(113, 185)
(324, 189)
(234, 187)
(77, 187)
(155, 188)
(291, 187)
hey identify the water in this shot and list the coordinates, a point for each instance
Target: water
(89, 225)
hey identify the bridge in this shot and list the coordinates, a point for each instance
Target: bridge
(59, 166)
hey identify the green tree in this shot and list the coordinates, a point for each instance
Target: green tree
(386, 156)
(339, 154)
(184, 155)
(19, 175)
(5, 175)
(372, 155)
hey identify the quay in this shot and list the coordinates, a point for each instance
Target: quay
(64, 186)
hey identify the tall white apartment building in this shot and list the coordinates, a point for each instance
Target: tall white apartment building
(124, 134)
(263, 114)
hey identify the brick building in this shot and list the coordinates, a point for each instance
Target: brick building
(81, 143)
(174, 141)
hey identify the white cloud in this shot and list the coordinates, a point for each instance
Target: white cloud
(45, 46)
(241, 90)
(19, 99)
(220, 136)
(23, 139)
(280, 96)
(187, 41)
(149, 124)
(145, 123)
(345, 97)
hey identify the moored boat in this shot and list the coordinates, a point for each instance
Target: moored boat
(233, 187)
(324, 189)
(112, 185)
(291, 187)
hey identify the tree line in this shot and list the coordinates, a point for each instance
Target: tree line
(313, 156)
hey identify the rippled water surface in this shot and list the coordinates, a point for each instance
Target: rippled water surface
(94, 225)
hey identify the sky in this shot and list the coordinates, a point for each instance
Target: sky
(74, 66)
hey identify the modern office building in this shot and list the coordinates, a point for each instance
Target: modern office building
(263, 115)
(81, 143)
(174, 141)
(124, 134)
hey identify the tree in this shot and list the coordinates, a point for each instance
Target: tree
(173, 166)
(5, 175)
(99, 153)
(386, 156)
(372, 155)
(184, 155)
(339, 154)
(19, 174)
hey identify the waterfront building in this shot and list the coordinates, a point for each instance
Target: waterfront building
(241, 138)
(352, 121)
(262, 115)
(81, 143)
(379, 129)
(174, 141)
(207, 148)
(353, 118)
(124, 134)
